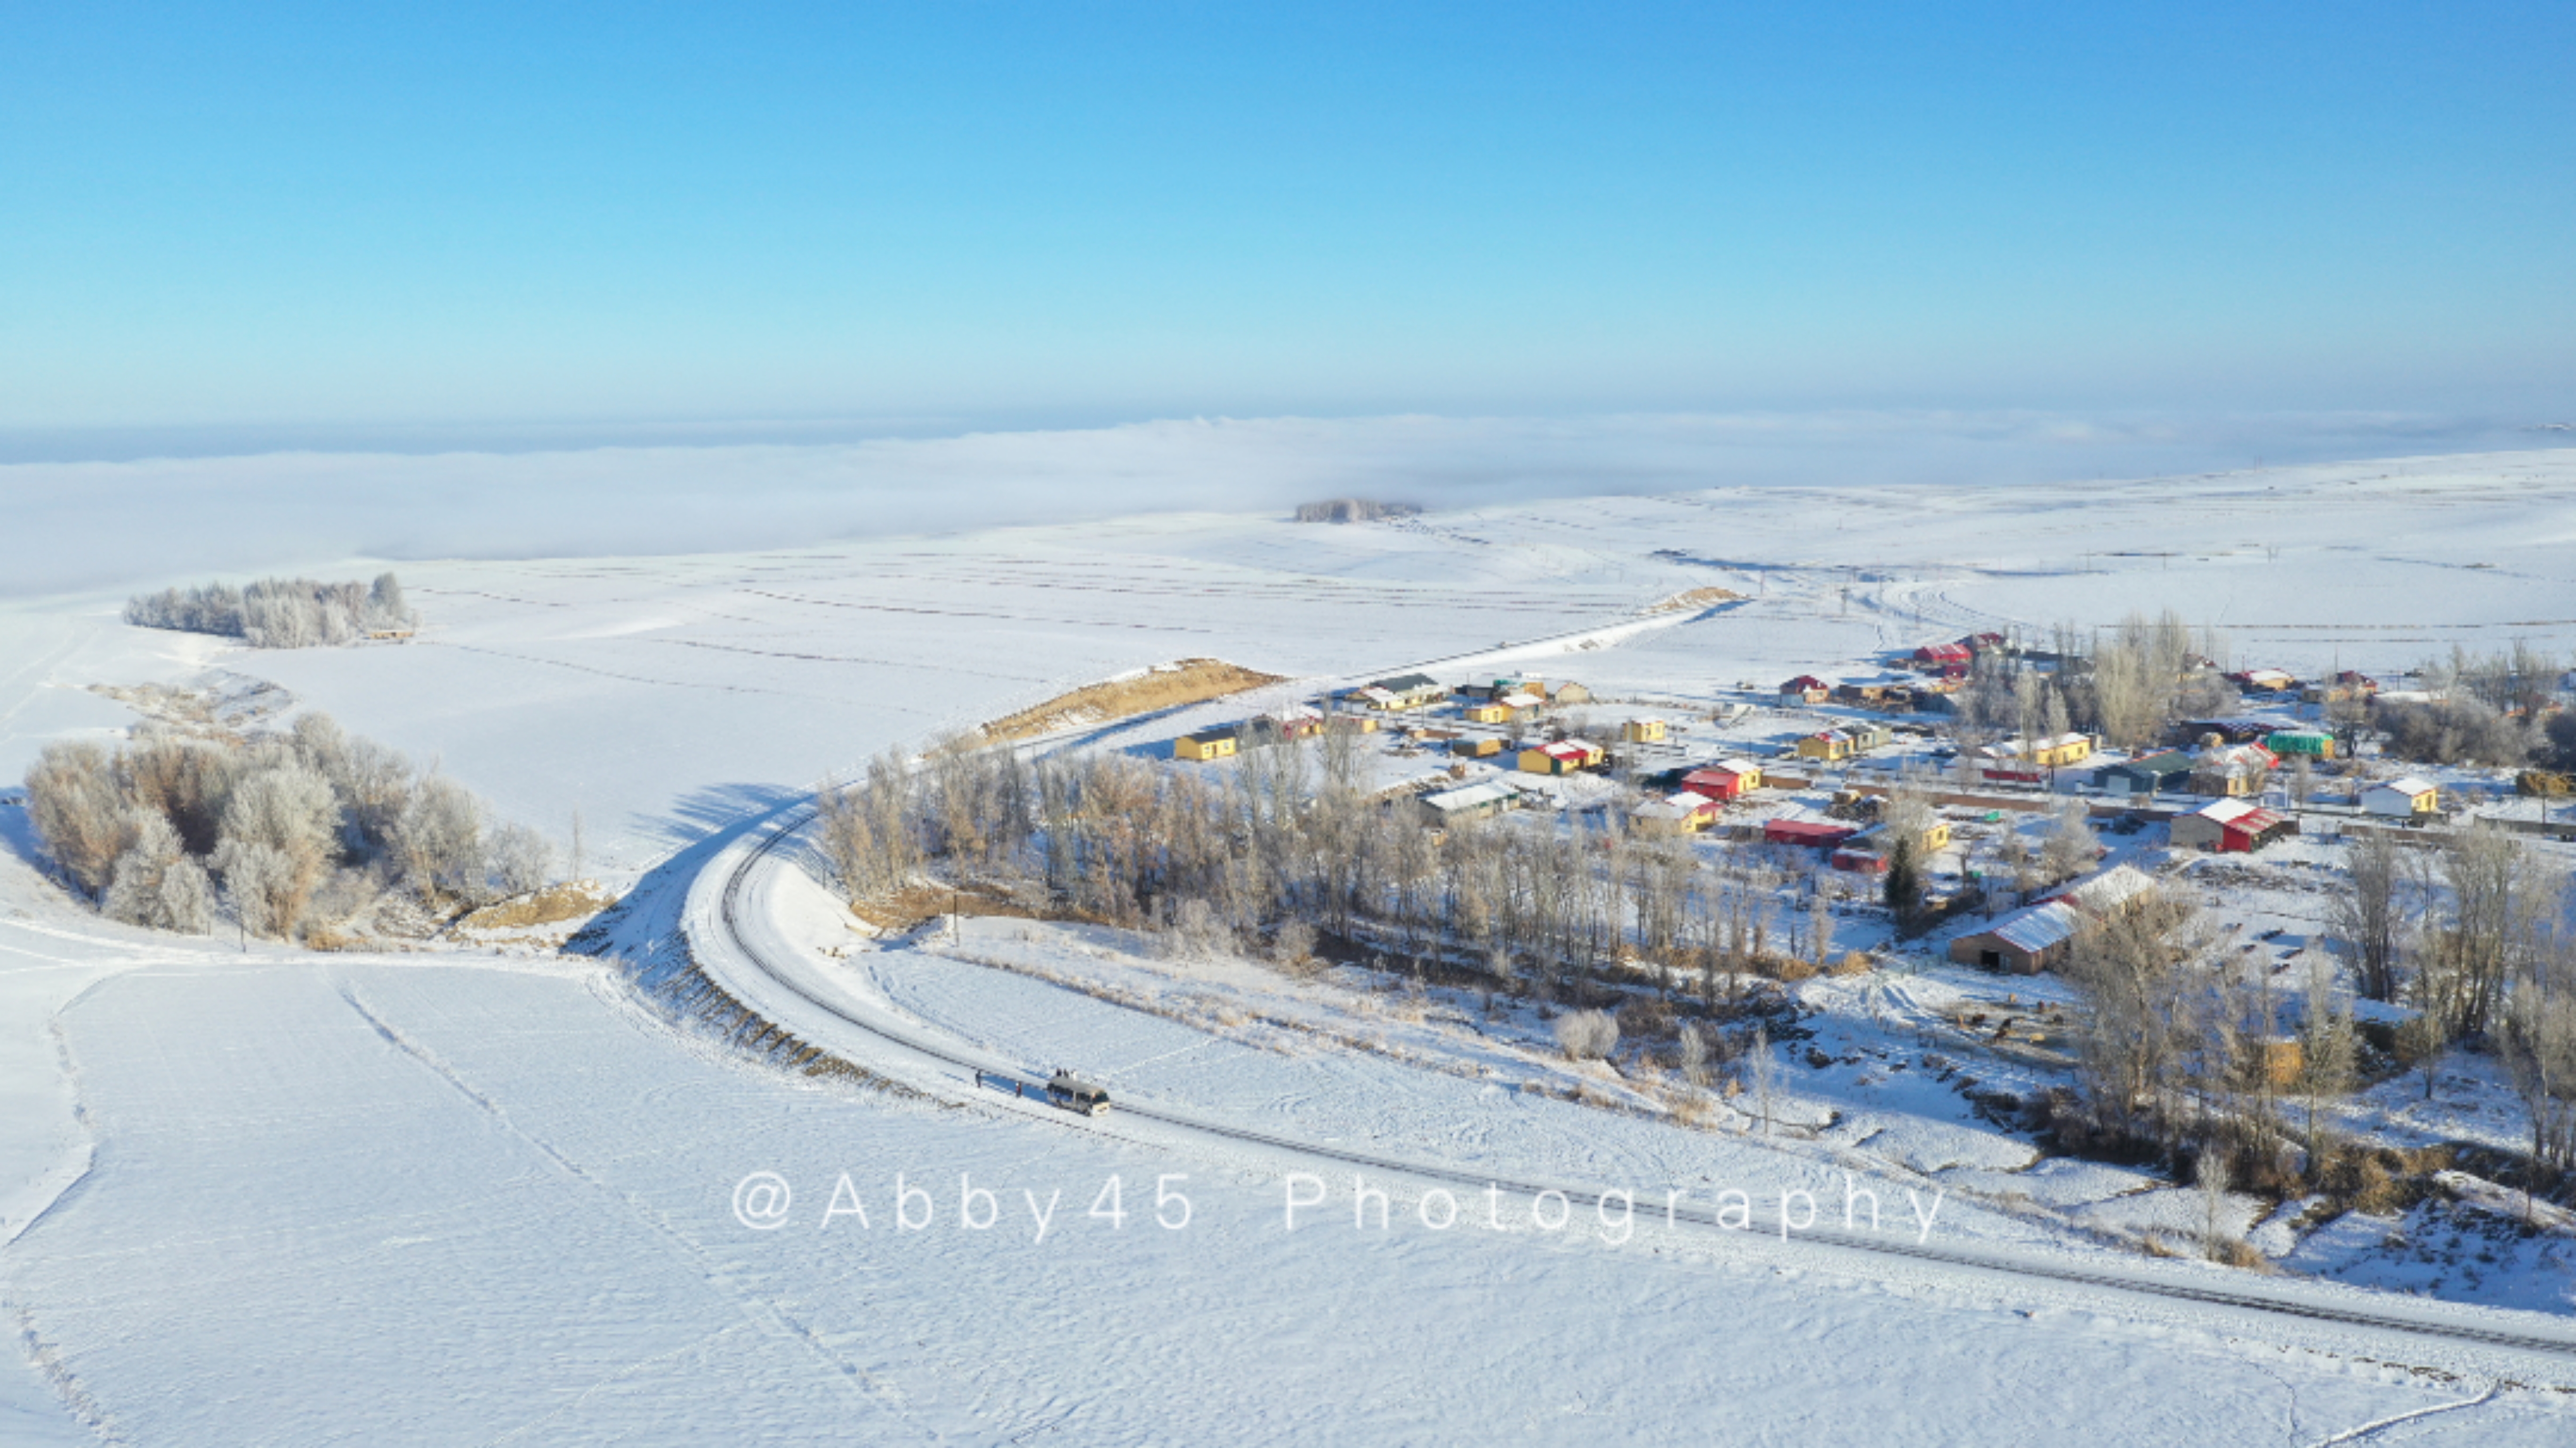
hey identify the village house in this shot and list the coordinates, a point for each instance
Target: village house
(1404, 691)
(2233, 770)
(1218, 743)
(1867, 852)
(1807, 689)
(2405, 798)
(1566, 756)
(1571, 694)
(2349, 685)
(1940, 658)
(2229, 826)
(1828, 745)
(1644, 731)
(1482, 747)
(2263, 681)
(2146, 774)
(1684, 813)
(1728, 779)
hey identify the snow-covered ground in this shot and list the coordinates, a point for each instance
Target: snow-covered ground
(273, 1197)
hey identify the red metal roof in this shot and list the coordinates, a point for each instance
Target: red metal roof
(1814, 833)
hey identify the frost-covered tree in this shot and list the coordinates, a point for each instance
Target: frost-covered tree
(74, 802)
(519, 860)
(260, 881)
(2071, 846)
(440, 841)
(156, 884)
(1586, 1035)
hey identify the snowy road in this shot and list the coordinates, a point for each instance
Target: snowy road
(739, 948)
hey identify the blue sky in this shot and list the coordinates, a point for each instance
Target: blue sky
(930, 216)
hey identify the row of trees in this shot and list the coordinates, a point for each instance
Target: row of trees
(278, 613)
(287, 831)
(1293, 840)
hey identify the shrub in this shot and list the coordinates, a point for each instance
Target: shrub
(1586, 1035)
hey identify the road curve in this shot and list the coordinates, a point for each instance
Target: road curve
(770, 978)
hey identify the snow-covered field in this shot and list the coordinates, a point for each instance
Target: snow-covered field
(263, 1196)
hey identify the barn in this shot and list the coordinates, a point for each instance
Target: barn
(2314, 743)
(1469, 802)
(2230, 826)
(2025, 942)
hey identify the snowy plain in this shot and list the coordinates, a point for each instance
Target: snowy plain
(461, 1197)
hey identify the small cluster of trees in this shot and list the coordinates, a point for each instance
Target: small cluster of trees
(2474, 934)
(2183, 1043)
(1293, 840)
(278, 613)
(287, 831)
(2129, 683)
(2490, 709)
(1353, 510)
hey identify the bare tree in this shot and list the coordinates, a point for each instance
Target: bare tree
(2367, 914)
(2538, 1044)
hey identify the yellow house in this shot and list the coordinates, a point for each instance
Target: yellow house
(2061, 750)
(1476, 748)
(1644, 731)
(1936, 838)
(1829, 745)
(1564, 757)
(1214, 744)
(1486, 714)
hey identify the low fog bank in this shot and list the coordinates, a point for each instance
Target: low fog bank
(109, 524)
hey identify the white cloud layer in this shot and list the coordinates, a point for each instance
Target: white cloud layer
(85, 525)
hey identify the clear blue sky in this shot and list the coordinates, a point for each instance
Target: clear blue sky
(456, 213)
